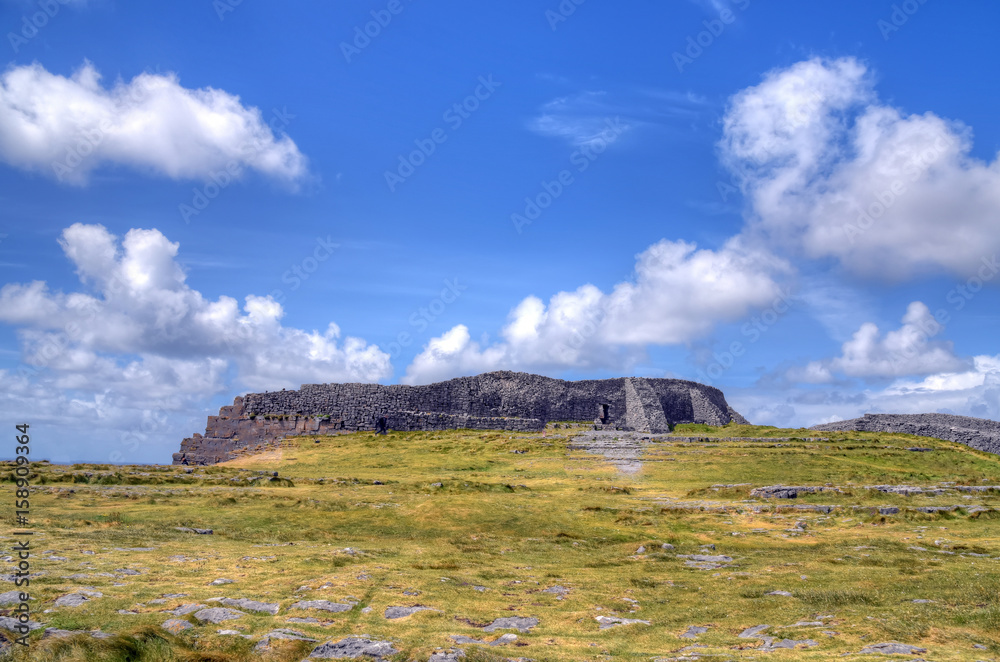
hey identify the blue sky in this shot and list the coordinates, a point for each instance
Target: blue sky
(796, 202)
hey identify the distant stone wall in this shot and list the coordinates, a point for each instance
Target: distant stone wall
(978, 433)
(492, 401)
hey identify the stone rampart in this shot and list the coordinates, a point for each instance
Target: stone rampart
(491, 401)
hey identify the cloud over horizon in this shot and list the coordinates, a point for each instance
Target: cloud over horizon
(137, 338)
(678, 293)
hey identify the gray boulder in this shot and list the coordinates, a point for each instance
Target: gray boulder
(218, 615)
(352, 648)
(252, 605)
(891, 648)
(322, 605)
(605, 622)
(512, 623)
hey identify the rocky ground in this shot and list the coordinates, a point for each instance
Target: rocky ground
(705, 544)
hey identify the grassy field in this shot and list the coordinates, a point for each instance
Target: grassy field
(476, 525)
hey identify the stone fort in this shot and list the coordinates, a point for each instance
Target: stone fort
(513, 401)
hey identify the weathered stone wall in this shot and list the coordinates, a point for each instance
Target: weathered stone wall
(491, 401)
(978, 433)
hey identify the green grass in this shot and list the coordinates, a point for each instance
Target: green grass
(517, 524)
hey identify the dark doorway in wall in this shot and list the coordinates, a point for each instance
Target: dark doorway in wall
(381, 426)
(604, 412)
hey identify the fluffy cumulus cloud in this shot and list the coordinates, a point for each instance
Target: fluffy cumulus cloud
(974, 390)
(830, 170)
(138, 343)
(906, 351)
(678, 294)
(69, 126)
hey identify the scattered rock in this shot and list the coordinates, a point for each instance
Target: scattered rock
(641, 550)
(751, 633)
(352, 648)
(218, 615)
(512, 623)
(220, 582)
(14, 625)
(252, 605)
(126, 571)
(891, 648)
(606, 622)
(559, 591)
(322, 605)
(447, 656)
(176, 625)
(393, 613)
(705, 561)
(787, 491)
(185, 529)
(77, 599)
(11, 597)
(667, 546)
(693, 631)
(784, 594)
(296, 619)
(189, 608)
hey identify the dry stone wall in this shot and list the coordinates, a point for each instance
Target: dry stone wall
(978, 433)
(491, 401)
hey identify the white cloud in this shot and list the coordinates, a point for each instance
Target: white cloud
(829, 169)
(69, 127)
(582, 120)
(678, 294)
(908, 350)
(973, 392)
(143, 344)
